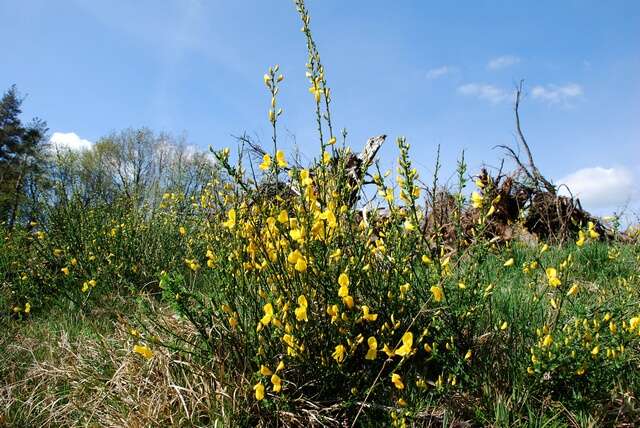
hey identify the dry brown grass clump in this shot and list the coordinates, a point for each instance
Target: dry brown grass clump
(62, 378)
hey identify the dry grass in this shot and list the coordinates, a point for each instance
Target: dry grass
(58, 378)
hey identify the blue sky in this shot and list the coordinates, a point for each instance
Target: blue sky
(435, 72)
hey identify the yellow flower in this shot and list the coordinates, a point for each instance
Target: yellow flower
(634, 323)
(265, 371)
(339, 353)
(182, 230)
(547, 341)
(301, 265)
(367, 316)
(280, 367)
(476, 199)
(259, 389)
(267, 79)
(326, 158)
(373, 348)
(426, 259)
(330, 217)
(407, 343)
(468, 355)
(193, 265)
(388, 195)
(390, 353)
(85, 287)
(544, 248)
(316, 91)
(143, 350)
(302, 301)
(268, 314)
(288, 339)
(294, 256)
(301, 310)
(397, 381)
(266, 162)
(277, 383)
(581, 238)
(27, 308)
(280, 159)
(283, 217)
(552, 277)
(592, 231)
(343, 280)
(332, 141)
(335, 255)
(573, 290)
(508, 262)
(504, 326)
(233, 322)
(595, 350)
(65, 270)
(343, 291)
(348, 300)
(297, 234)
(333, 312)
(231, 219)
(438, 295)
(305, 177)
(404, 288)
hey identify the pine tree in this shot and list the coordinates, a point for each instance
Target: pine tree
(21, 155)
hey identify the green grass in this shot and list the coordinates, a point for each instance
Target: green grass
(57, 361)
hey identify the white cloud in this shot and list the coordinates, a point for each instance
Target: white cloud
(69, 141)
(554, 94)
(483, 91)
(600, 187)
(435, 73)
(502, 62)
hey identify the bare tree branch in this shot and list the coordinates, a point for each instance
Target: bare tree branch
(539, 178)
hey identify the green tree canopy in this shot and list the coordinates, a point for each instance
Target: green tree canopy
(22, 155)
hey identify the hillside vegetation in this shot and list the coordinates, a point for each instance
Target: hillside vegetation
(145, 284)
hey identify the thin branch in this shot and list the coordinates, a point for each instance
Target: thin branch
(534, 169)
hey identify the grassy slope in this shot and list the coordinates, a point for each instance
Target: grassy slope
(66, 367)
